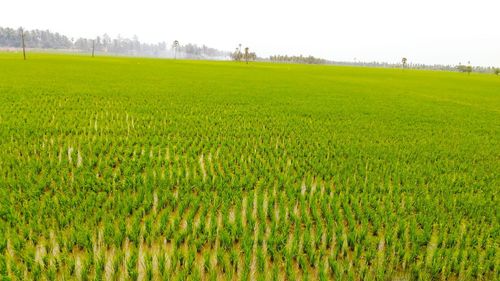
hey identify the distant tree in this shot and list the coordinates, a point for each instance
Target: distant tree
(461, 67)
(237, 55)
(468, 69)
(404, 61)
(175, 46)
(234, 55)
(136, 44)
(247, 56)
(22, 42)
(496, 71)
(106, 42)
(464, 68)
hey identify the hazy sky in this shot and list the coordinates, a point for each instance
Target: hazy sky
(426, 31)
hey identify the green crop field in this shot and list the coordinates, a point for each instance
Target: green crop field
(127, 168)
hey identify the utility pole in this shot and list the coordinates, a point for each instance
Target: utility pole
(175, 45)
(24, 46)
(93, 47)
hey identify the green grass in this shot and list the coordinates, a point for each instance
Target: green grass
(123, 167)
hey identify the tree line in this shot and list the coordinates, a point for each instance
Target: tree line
(298, 59)
(404, 64)
(45, 39)
(42, 39)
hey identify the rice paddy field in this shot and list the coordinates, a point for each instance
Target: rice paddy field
(147, 169)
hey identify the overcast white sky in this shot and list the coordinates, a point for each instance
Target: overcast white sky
(425, 31)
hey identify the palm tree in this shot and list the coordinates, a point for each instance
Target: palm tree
(404, 60)
(239, 52)
(468, 69)
(234, 55)
(246, 54)
(23, 45)
(175, 46)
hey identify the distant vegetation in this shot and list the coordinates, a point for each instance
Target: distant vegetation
(245, 55)
(44, 39)
(298, 59)
(466, 68)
